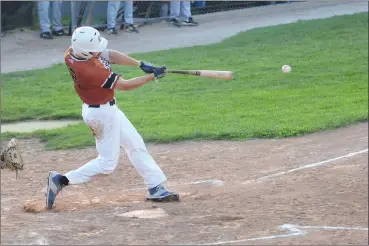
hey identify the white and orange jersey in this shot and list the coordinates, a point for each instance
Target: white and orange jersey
(93, 79)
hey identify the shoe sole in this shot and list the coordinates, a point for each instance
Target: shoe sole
(47, 191)
(170, 198)
(57, 34)
(176, 25)
(187, 24)
(131, 31)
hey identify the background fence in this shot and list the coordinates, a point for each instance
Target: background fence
(17, 14)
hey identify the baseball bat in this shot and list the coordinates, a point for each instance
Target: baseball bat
(205, 73)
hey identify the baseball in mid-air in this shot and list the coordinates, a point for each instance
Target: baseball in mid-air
(286, 68)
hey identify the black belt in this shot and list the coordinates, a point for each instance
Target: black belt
(112, 102)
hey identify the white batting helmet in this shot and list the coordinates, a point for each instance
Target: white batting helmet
(86, 39)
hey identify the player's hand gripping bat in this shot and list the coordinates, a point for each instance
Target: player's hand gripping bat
(205, 73)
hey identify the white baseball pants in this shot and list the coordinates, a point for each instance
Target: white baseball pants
(113, 130)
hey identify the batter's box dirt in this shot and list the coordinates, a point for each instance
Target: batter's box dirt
(76, 202)
(69, 204)
(107, 212)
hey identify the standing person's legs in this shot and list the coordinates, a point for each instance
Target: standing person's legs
(185, 13)
(141, 159)
(185, 10)
(128, 17)
(105, 126)
(43, 16)
(164, 9)
(175, 8)
(128, 12)
(57, 24)
(112, 11)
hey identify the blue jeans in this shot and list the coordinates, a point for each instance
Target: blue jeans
(112, 11)
(180, 9)
(43, 15)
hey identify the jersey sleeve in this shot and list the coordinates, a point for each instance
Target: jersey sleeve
(106, 54)
(103, 77)
(111, 81)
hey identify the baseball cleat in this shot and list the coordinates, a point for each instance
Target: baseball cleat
(160, 194)
(112, 31)
(129, 28)
(54, 186)
(175, 22)
(189, 22)
(58, 33)
(46, 35)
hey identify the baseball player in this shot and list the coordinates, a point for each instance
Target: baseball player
(88, 61)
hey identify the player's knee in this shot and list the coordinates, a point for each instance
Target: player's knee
(108, 166)
(138, 144)
(139, 155)
(133, 142)
(136, 150)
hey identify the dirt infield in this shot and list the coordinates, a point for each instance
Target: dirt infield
(303, 190)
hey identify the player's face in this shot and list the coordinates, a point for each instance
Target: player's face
(95, 54)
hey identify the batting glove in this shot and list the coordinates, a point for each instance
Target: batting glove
(159, 72)
(147, 67)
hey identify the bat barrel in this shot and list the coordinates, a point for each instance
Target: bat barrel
(205, 73)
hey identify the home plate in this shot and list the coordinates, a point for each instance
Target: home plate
(145, 214)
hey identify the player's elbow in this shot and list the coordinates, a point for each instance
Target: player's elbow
(122, 85)
(113, 56)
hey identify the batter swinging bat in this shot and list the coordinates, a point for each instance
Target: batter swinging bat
(205, 73)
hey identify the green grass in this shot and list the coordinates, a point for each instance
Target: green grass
(328, 87)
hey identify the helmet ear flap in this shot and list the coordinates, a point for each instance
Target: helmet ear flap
(79, 52)
(85, 55)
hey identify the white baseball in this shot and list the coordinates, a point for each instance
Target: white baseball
(286, 68)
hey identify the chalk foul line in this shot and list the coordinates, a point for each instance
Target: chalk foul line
(217, 182)
(292, 231)
(316, 164)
